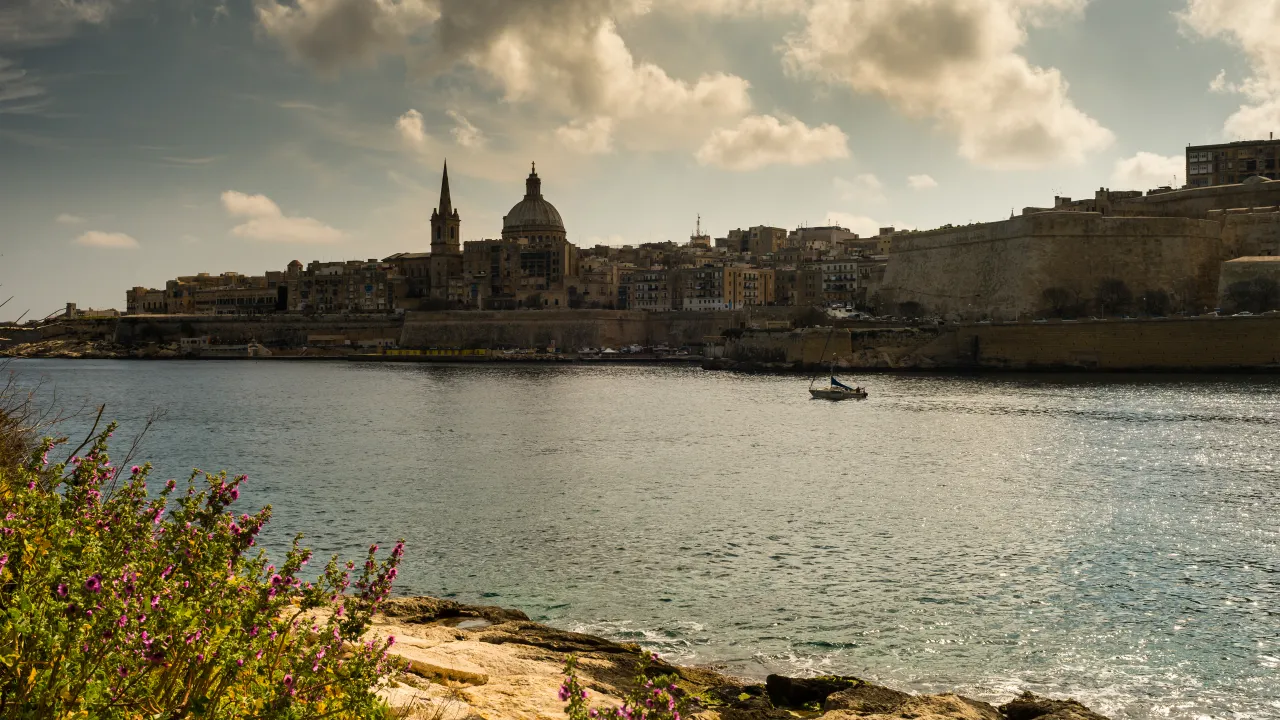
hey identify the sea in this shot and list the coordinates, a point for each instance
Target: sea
(1112, 538)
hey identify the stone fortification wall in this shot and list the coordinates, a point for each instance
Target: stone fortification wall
(569, 329)
(1249, 232)
(572, 329)
(886, 348)
(1002, 269)
(271, 330)
(1169, 345)
(1197, 203)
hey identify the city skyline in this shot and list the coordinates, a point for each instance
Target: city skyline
(146, 140)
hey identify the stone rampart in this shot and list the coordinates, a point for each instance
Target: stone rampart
(1198, 203)
(1003, 269)
(1194, 344)
(572, 329)
(271, 330)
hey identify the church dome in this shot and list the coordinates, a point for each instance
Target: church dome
(533, 212)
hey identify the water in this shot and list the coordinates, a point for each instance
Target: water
(1115, 539)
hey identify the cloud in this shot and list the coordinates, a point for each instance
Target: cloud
(191, 161)
(564, 57)
(69, 219)
(865, 188)
(1148, 170)
(1251, 26)
(589, 137)
(466, 134)
(860, 224)
(106, 240)
(762, 140)
(409, 125)
(40, 22)
(19, 92)
(921, 182)
(331, 34)
(266, 222)
(955, 61)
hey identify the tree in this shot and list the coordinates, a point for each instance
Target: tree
(1060, 302)
(1114, 296)
(911, 310)
(1156, 303)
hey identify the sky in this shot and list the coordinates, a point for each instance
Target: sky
(145, 139)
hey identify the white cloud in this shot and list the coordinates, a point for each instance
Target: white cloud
(860, 224)
(565, 58)
(69, 219)
(266, 222)
(409, 125)
(39, 22)
(1148, 170)
(589, 137)
(1251, 26)
(865, 188)
(106, 240)
(762, 140)
(330, 34)
(955, 61)
(466, 134)
(921, 182)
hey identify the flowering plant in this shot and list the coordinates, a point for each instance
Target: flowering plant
(116, 603)
(650, 698)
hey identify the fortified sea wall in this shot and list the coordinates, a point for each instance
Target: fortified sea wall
(1166, 345)
(1002, 269)
(575, 328)
(281, 330)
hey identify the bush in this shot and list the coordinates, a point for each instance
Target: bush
(119, 604)
(655, 698)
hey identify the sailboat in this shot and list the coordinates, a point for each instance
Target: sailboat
(836, 390)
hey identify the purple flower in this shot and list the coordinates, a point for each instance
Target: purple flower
(122, 671)
(61, 590)
(134, 470)
(235, 493)
(155, 602)
(564, 693)
(124, 620)
(94, 583)
(594, 713)
(288, 681)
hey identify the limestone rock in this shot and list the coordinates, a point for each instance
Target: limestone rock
(798, 692)
(866, 698)
(1029, 706)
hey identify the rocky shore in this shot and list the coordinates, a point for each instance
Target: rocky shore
(465, 662)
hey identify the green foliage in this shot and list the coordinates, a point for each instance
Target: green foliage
(116, 603)
(650, 698)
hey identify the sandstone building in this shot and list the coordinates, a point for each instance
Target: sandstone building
(1230, 163)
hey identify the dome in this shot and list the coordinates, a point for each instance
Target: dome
(533, 212)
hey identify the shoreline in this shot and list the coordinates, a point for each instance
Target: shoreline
(468, 661)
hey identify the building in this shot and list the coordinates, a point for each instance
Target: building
(353, 286)
(1231, 163)
(840, 281)
(801, 287)
(649, 290)
(445, 261)
(765, 240)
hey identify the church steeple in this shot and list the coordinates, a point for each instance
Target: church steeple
(446, 203)
(446, 225)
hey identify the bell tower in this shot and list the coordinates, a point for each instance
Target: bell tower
(446, 225)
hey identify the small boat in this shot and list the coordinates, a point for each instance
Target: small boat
(837, 391)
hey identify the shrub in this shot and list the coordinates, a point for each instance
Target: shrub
(655, 698)
(119, 604)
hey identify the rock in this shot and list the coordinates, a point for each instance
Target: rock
(866, 698)
(431, 663)
(1029, 706)
(925, 707)
(798, 692)
(561, 641)
(424, 610)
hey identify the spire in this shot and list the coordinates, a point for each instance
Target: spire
(446, 203)
(533, 185)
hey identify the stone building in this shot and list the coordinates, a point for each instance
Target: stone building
(445, 261)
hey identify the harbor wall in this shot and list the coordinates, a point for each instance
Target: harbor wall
(271, 330)
(1165, 345)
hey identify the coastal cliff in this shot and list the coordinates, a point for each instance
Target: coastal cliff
(463, 662)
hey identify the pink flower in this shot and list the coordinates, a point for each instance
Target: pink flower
(60, 591)
(93, 584)
(564, 693)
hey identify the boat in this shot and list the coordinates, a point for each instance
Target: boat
(837, 391)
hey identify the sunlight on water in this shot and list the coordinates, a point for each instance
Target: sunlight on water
(1111, 539)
